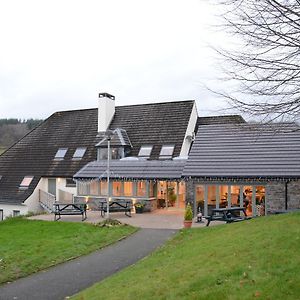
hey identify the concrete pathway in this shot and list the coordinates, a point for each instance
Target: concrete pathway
(69, 278)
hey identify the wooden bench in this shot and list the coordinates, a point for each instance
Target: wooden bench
(228, 215)
(117, 205)
(69, 209)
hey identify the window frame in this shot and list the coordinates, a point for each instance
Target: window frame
(163, 148)
(61, 157)
(81, 150)
(143, 148)
(24, 186)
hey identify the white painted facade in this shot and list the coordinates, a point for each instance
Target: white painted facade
(190, 132)
(8, 210)
(63, 193)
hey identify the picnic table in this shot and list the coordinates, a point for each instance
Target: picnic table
(116, 205)
(228, 215)
(69, 209)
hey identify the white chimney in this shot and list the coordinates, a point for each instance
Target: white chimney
(106, 111)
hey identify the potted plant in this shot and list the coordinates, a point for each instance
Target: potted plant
(188, 216)
(139, 207)
(171, 196)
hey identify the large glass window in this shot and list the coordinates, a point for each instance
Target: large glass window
(152, 186)
(141, 188)
(82, 189)
(200, 198)
(128, 188)
(235, 195)
(103, 188)
(247, 199)
(94, 188)
(117, 188)
(211, 198)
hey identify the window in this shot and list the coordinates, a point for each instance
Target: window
(16, 213)
(26, 182)
(141, 189)
(103, 188)
(117, 188)
(70, 182)
(128, 188)
(116, 153)
(60, 154)
(145, 151)
(78, 154)
(166, 151)
(94, 186)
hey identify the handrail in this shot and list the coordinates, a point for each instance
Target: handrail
(47, 200)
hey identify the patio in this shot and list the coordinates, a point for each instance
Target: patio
(159, 219)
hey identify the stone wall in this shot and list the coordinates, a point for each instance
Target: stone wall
(275, 196)
(294, 195)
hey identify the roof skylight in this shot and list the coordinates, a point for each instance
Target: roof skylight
(166, 151)
(26, 182)
(60, 154)
(78, 154)
(145, 151)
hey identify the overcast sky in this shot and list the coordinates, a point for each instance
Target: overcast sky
(58, 55)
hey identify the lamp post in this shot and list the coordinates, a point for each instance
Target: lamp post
(108, 135)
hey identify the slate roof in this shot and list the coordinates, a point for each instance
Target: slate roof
(140, 169)
(155, 124)
(213, 120)
(245, 151)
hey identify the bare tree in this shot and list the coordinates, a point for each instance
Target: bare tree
(265, 65)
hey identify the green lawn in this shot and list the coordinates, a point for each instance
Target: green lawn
(257, 259)
(27, 246)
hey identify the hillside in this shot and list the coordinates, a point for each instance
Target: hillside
(255, 259)
(11, 130)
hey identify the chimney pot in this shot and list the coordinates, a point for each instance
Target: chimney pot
(107, 95)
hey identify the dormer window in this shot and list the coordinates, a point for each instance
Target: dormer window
(145, 151)
(60, 154)
(166, 151)
(78, 154)
(26, 182)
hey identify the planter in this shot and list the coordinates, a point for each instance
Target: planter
(187, 224)
(139, 210)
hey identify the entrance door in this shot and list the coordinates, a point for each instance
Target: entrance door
(52, 186)
(1, 214)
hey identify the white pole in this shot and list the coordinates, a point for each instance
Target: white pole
(108, 171)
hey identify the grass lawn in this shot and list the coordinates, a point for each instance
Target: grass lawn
(27, 246)
(256, 259)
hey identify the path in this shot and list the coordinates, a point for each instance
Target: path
(71, 277)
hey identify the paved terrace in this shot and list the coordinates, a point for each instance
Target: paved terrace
(159, 219)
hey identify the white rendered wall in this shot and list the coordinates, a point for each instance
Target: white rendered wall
(106, 111)
(186, 145)
(8, 209)
(32, 202)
